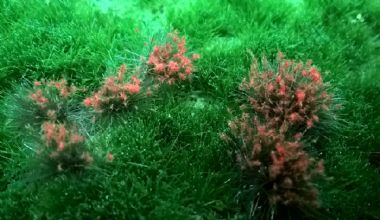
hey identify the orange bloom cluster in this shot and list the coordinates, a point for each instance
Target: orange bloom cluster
(49, 96)
(64, 147)
(169, 63)
(39, 98)
(115, 93)
(286, 168)
(292, 95)
(281, 104)
(290, 173)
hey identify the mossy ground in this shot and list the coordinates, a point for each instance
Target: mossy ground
(169, 160)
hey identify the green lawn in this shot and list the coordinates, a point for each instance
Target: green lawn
(169, 161)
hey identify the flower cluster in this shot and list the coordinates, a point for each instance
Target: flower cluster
(50, 98)
(281, 104)
(53, 105)
(290, 173)
(290, 96)
(169, 63)
(64, 147)
(115, 94)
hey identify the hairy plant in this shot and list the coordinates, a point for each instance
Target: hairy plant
(46, 100)
(63, 148)
(280, 104)
(115, 94)
(168, 63)
(288, 97)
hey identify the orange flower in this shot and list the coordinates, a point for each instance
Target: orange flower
(294, 117)
(152, 59)
(87, 102)
(48, 131)
(309, 123)
(182, 76)
(300, 95)
(135, 80)
(110, 157)
(132, 89)
(188, 70)
(270, 87)
(173, 67)
(64, 92)
(280, 149)
(282, 90)
(159, 68)
(61, 146)
(315, 74)
(185, 61)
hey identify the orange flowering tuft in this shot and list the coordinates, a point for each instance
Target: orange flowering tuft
(281, 104)
(168, 62)
(64, 146)
(114, 93)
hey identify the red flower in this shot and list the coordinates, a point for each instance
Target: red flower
(48, 131)
(309, 123)
(280, 149)
(182, 76)
(64, 92)
(188, 70)
(185, 61)
(170, 62)
(152, 59)
(132, 88)
(61, 133)
(315, 118)
(135, 80)
(315, 74)
(282, 90)
(261, 130)
(294, 117)
(159, 68)
(110, 157)
(270, 87)
(173, 67)
(61, 146)
(300, 95)
(279, 79)
(156, 50)
(87, 102)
